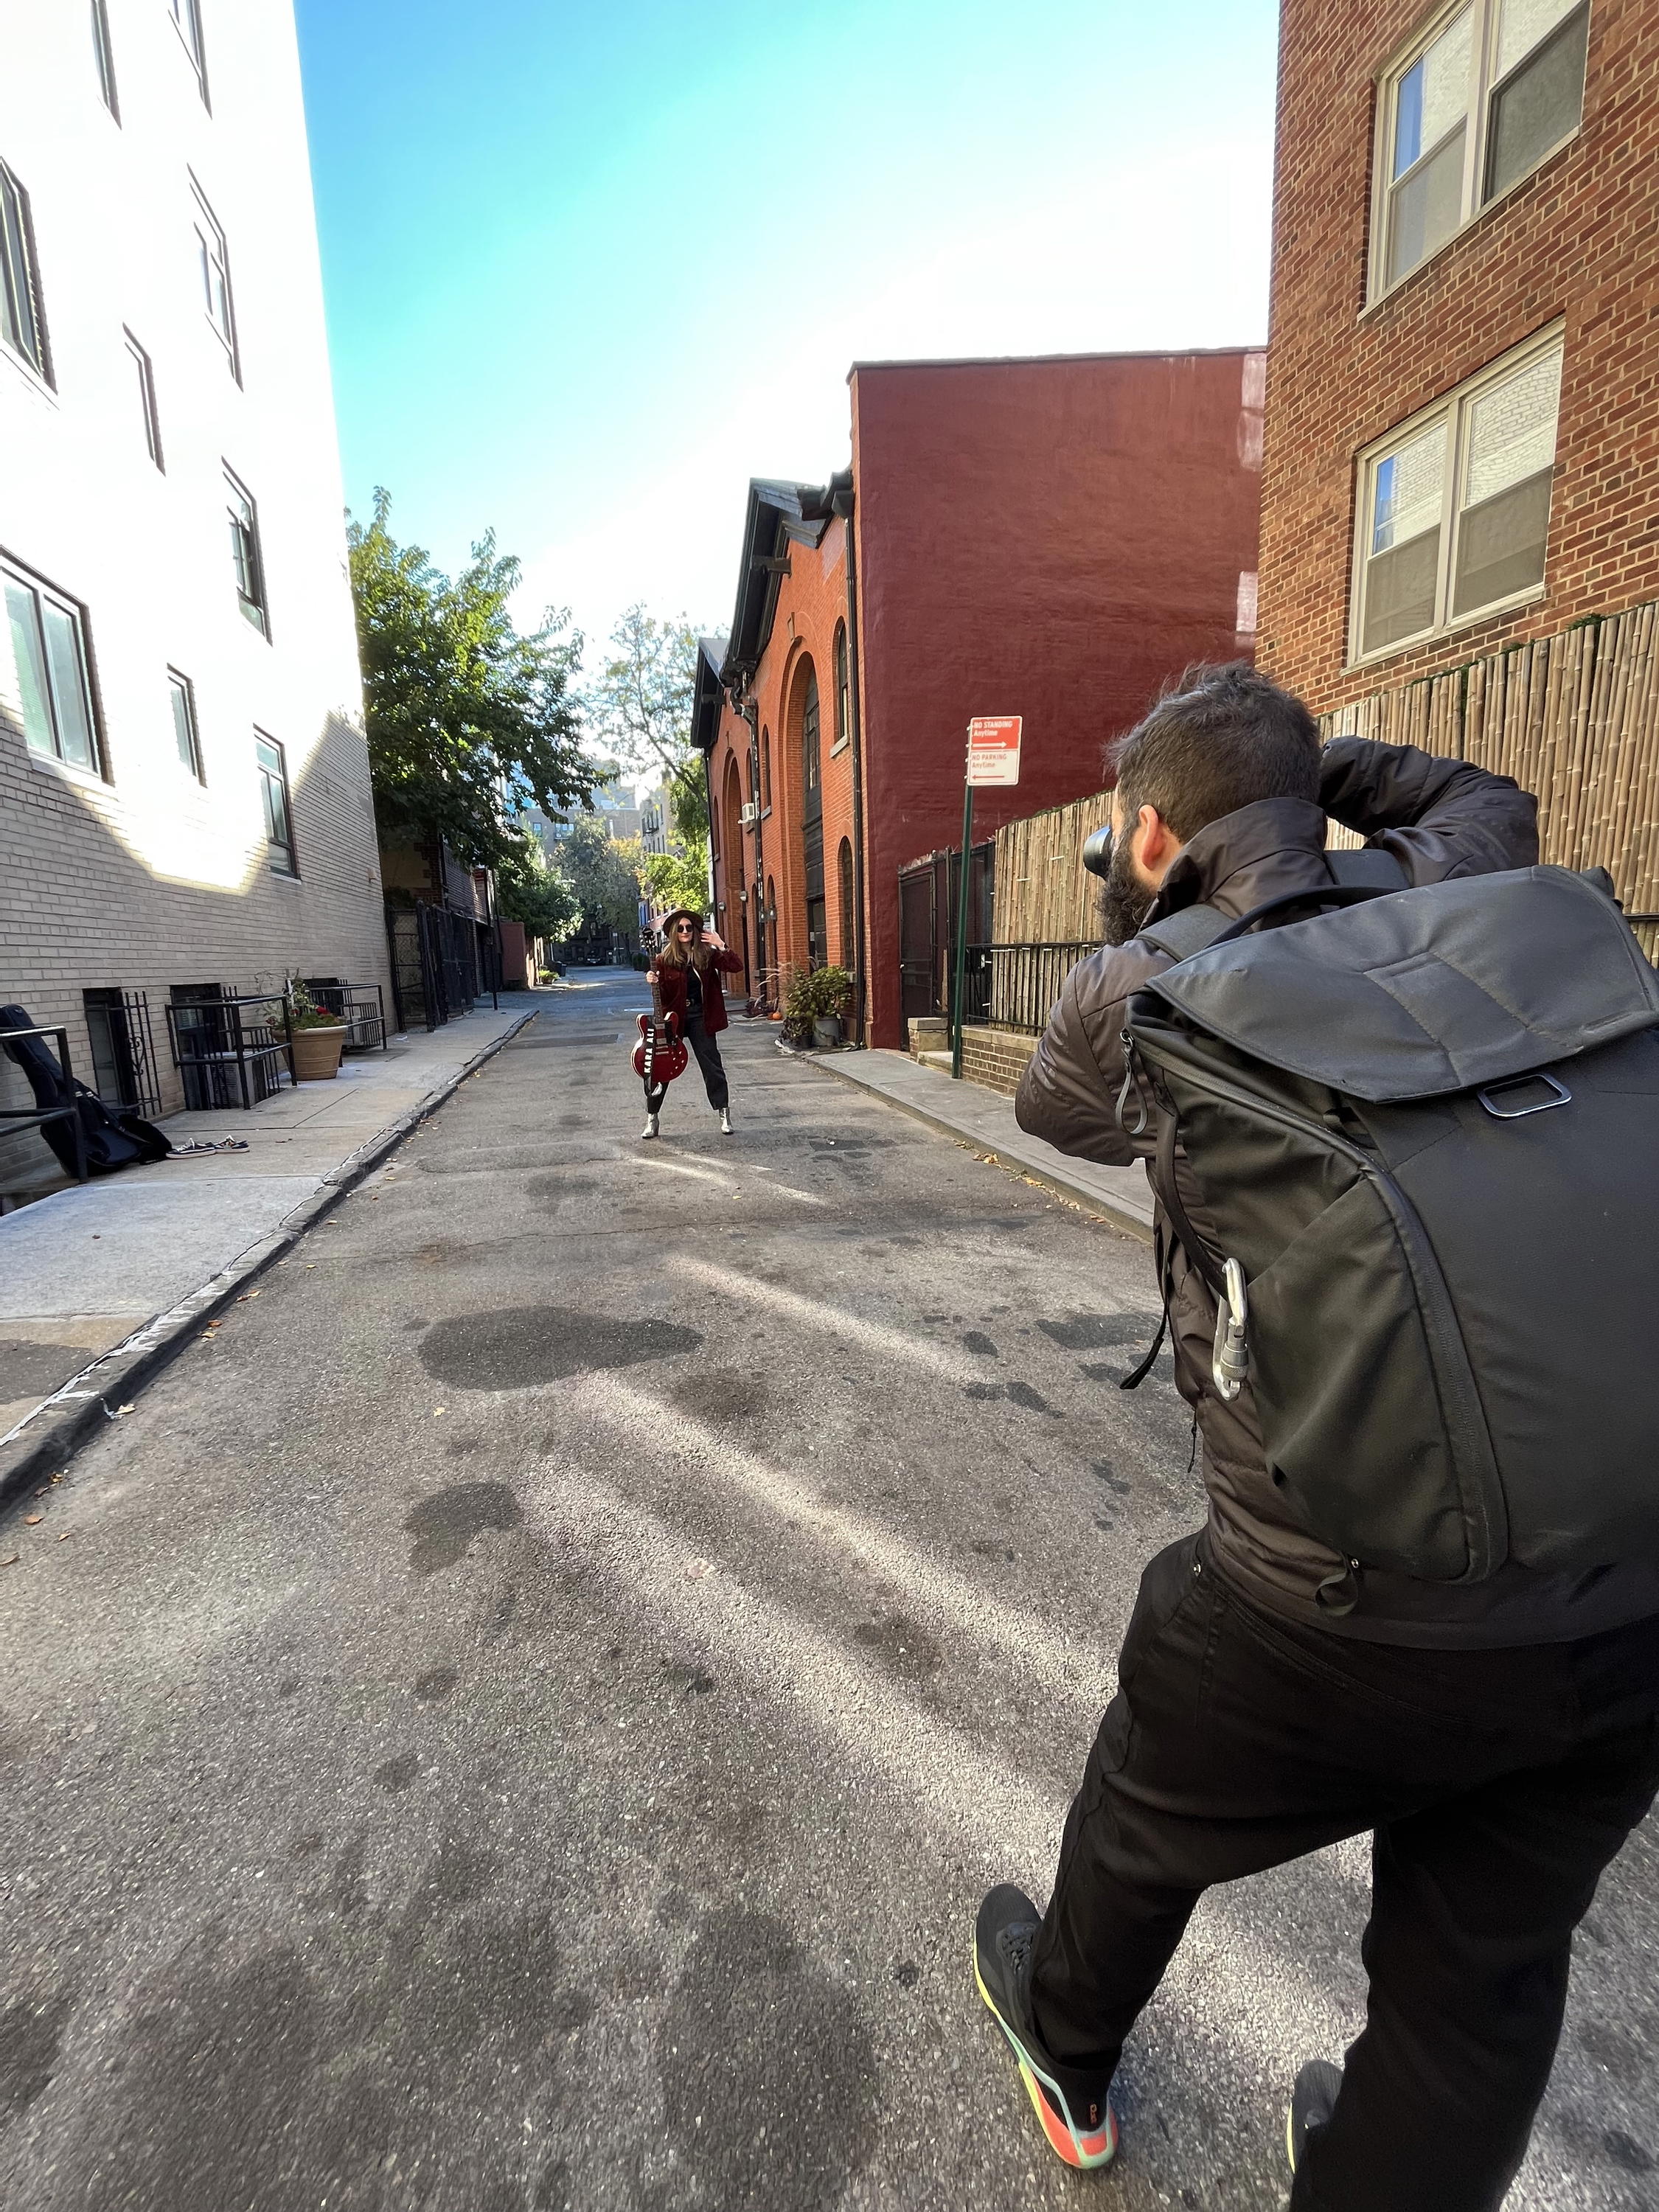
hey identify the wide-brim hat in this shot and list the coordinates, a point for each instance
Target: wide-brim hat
(680, 914)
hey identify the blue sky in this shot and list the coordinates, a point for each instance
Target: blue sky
(591, 267)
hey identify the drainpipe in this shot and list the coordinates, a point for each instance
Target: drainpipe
(843, 504)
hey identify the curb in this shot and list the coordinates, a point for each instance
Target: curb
(1061, 1186)
(82, 1407)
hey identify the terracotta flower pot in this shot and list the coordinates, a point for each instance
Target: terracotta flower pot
(317, 1054)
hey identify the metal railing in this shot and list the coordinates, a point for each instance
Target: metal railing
(363, 1014)
(229, 1051)
(1014, 986)
(37, 1116)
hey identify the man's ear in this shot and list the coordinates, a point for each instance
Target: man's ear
(1155, 844)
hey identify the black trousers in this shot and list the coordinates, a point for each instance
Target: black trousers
(708, 1059)
(1499, 1784)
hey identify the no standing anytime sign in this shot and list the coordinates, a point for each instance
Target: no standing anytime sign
(993, 749)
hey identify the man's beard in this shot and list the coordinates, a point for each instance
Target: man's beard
(1125, 900)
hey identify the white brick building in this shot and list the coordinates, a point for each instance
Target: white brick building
(183, 784)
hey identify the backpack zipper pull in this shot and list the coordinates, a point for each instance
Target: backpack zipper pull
(1130, 1056)
(1229, 1365)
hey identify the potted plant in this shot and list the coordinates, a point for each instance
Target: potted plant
(832, 995)
(814, 1004)
(798, 1010)
(316, 1036)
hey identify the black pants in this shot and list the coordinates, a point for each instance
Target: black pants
(708, 1059)
(1499, 1785)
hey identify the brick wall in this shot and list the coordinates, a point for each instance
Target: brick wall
(86, 900)
(1577, 241)
(996, 1058)
(812, 606)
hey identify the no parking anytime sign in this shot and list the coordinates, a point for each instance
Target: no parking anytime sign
(993, 749)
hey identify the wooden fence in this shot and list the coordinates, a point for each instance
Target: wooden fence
(1043, 893)
(1573, 718)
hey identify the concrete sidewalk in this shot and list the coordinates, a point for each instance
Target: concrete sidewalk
(985, 1119)
(100, 1282)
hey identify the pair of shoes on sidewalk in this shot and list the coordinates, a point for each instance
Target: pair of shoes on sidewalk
(1082, 2130)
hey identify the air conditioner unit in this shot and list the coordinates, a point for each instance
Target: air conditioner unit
(749, 814)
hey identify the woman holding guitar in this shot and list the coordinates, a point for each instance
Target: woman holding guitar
(685, 984)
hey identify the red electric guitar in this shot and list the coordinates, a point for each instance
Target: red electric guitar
(660, 1054)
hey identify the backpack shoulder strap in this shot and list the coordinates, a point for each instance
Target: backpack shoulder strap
(1189, 929)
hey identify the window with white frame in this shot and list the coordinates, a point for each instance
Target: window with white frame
(49, 648)
(1477, 102)
(187, 21)
(186, 735)
(1454, 506)
(213, 267)
(23, 325)
(145, 376)
(273, 788)
(247, 557)
(104, 56)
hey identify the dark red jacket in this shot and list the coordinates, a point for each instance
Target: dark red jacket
(671, 985)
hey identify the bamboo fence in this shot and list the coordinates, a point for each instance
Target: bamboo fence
(1575, 720)
(1572, 718)
(1042, 894)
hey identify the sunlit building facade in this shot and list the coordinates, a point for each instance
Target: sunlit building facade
(184, 800)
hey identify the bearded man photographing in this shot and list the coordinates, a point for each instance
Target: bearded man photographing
(1389, 1118)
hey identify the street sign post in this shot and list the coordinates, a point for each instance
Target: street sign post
(993, 758)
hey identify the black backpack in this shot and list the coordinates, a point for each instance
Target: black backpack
(1425, 1128)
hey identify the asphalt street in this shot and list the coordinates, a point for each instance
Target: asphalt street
(522, 1714)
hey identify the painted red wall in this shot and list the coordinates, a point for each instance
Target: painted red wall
(1052, 538)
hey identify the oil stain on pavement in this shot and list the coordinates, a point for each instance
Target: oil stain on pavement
(768, 2075)
(521, 1347)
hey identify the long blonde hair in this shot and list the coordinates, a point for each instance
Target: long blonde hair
(673, 954)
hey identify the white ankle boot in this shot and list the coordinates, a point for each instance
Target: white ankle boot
(650, 1128)
(725, 1121)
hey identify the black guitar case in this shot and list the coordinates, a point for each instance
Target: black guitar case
(114, 1138)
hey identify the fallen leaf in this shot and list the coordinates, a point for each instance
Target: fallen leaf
(437, 1413)
(67, 1533)
(127, 1409)
(11, 1562)
(698, 1569)
(30, 1520)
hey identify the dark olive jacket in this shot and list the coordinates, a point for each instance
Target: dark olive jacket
(1439, 818)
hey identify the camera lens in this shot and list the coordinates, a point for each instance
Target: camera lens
(1097, 852)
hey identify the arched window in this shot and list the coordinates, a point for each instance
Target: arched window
(748, 762)
(843, 688)
(808, 734)
(766, 770)
(844, 871)
(771, 902)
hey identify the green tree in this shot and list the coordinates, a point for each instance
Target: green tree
(529, 890)
(467, 719)
(640, 705)
(602, 874)
(672, 879)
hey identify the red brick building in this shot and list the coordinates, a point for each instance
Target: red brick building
(1051, 539)
(1462, 423)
